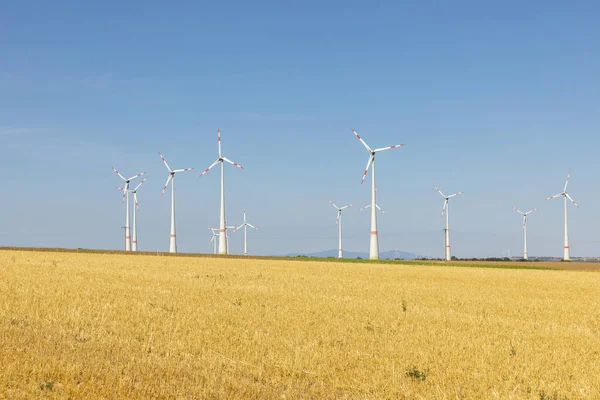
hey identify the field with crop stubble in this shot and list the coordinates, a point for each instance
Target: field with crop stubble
(117, 326)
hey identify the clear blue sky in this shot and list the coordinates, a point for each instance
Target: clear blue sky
(498, 101)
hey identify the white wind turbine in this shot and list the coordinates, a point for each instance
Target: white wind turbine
(213, 240)
(446, 208)
(171, 178)
(567, 256)
(136, 208)
(338, 221)
(126, 199)
(525, 228)
(222, 229)
(374, 247)
(246, 224)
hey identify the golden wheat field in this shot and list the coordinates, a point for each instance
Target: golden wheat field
(123, 326)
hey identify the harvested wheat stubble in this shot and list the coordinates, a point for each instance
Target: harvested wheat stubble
(115, 326)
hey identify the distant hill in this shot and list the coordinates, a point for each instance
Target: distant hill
(390, 255)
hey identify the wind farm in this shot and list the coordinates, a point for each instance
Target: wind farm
(220, 238)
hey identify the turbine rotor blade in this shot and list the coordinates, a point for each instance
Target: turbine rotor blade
(530, 211)
(444, 208)
(367, 169)
(362, 141)
(252, 226)
(333, 204)
(121, 176)
(365, 207)
(343, 208)
(572, 201)
(183, 170)
(567, 181)
(135, 176)
(439, 191)
(456, 194)
(556, 195)
(379, 208)
(519, 211)
(167, 184)
(140, 184)
(209, 168)
(123, 198)
(233, 163)
(219, 140)
(137, 205)
(163, 159)
(389, 147)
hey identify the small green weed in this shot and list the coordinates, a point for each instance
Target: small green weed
(47, 385)
(417, 374)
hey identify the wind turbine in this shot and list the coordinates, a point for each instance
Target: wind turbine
(171, 178)
(222, 228)
(126, 198)
(338, 221)
(136, 208)
(525, 228)
(567, 256)
(447, 230)
(374, 248)
(246, 224)
(213, 240)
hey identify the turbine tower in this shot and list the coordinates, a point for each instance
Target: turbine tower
(246, 224)
(567, 255)
(374, 247)
(222, 228)
(338, 221)
(136, 208)
(126, 199)
(525, 228)
(447, 230)
(171, 178)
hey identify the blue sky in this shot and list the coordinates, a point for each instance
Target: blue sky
(498, 101)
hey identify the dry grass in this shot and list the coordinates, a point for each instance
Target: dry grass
(114, 326)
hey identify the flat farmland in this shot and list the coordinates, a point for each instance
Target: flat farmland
(92, 325)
